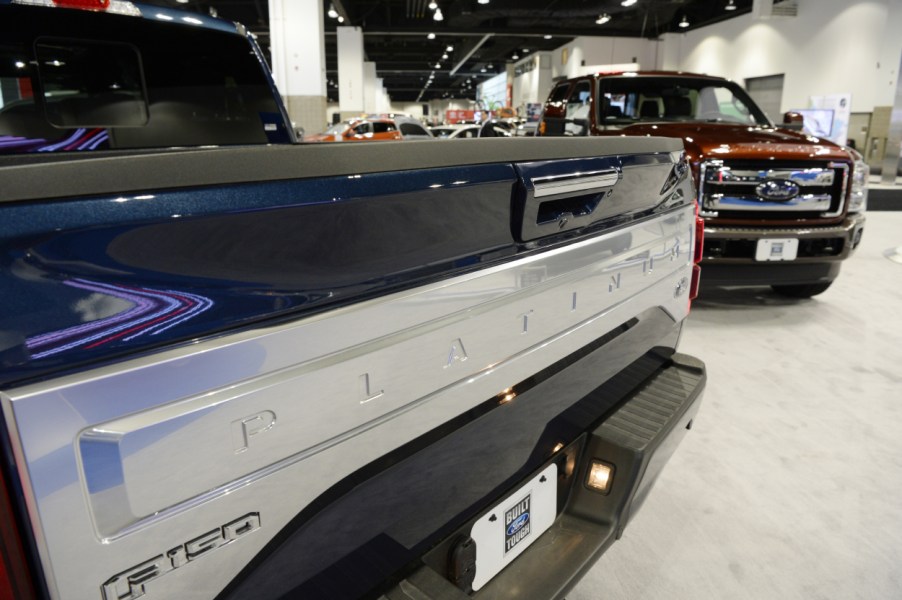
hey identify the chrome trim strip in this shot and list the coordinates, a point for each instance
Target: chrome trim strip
(814, 177)
(712, 166)
(128, 461)
(574, 183)
(808, 202)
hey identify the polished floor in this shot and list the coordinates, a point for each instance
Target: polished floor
(790, 484)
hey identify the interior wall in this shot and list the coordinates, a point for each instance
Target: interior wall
(833, 46)
(567, 60)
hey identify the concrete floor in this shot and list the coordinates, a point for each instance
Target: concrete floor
(790, 484)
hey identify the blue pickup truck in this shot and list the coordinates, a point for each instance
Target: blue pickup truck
(237, 366)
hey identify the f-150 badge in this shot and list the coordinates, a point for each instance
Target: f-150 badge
(129, 584)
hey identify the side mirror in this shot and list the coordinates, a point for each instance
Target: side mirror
(793, 120)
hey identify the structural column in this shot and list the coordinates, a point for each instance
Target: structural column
(351, 87)
(299, 60)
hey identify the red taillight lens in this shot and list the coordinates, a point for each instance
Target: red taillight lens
(15, 581)
(699, 239)
(84, 4)
(698, 252)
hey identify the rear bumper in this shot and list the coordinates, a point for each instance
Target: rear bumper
(729, 254)
(638, 438)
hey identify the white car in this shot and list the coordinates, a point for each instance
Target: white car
(447, 132)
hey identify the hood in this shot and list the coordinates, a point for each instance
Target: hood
(705, 141)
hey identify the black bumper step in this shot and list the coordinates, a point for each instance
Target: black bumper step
(637, 438)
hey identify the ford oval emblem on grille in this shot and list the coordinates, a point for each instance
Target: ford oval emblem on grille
(777, 190)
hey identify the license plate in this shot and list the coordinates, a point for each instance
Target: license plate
(503, 533)
(777, 249)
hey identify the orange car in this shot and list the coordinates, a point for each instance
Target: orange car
(372, 129)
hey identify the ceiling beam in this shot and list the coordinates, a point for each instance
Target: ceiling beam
(462, 61)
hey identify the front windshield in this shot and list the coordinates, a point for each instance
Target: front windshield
(628, 100)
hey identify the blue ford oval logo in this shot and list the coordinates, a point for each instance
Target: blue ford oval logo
(777, 190)
(518, 524)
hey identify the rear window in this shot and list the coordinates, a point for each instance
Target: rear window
(74, 80)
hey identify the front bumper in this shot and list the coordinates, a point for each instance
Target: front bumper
(637, 438)
(729, 253)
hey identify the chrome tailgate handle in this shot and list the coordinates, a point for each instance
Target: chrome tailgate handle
(574, 183)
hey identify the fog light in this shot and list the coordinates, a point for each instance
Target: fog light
(600, 476)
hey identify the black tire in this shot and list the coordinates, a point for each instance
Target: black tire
(802, 290)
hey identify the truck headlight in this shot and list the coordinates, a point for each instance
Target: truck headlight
(858, 200)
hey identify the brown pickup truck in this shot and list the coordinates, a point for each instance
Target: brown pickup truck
(781, 208)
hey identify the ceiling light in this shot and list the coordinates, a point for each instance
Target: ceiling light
(685, 22)
(438, 66)
(182, 1)
(490, 66)
(333, 14)
(482, 70)
(431, 36)
(515, 56)
(628, 2)
(444, 57)
(547, 37)
(341, 19)
(433, 5)
(449, 49)
(483, 1)
(602, 19)
(437, 15)
(525, 50)
(730, 5)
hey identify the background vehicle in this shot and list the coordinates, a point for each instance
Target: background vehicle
(274, 370)
(781, 208)
(464, 131)
(366, 129)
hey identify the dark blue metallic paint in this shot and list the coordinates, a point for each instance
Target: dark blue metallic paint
(89, 279)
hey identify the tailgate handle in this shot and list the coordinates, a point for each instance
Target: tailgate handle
(573, 183)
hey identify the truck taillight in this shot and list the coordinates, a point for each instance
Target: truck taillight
(119, 7)
(698, 249)
(15, 580)
(84, 4)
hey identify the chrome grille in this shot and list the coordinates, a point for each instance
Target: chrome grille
(804, 191)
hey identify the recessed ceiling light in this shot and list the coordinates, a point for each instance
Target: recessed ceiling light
(602, 19)
(547, 37)
(444, 57)
(483, 1)
(341, 19)
(449, 49)
(431, 36)
(628, 2)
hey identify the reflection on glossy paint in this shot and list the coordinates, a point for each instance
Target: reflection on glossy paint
(80, 139)
(147, 312)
